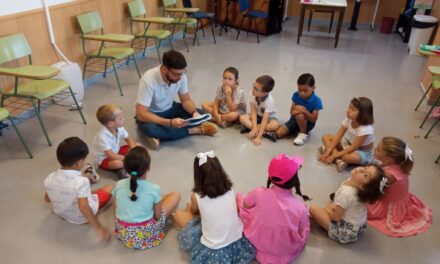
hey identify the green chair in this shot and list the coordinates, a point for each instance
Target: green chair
(139, 15)
(435, 84)
(169, 7)
(15, 46)
(91, 22)
(4, 113)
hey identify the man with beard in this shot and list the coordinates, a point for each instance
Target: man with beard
(158, 116)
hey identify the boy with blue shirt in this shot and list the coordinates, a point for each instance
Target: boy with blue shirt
(304, 111)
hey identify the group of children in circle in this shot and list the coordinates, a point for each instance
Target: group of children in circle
(269, 223)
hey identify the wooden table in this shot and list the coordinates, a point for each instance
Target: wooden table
(327, 5)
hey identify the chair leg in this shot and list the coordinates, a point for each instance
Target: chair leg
(195, 32)
(117, 78)
(212, 30)
(85, 67)
(423, 97)
(331, 23)
(184, 39)
(430, 110)
(256, 30)
(41, 122)
(105, 67)
(432, 127)
(239, 28)
(309, 23)
(203, 30)
(77, 106)
(145, 47)
(135, 64)
(171, 42)
(21, 138)
(157, 49)
(438, 159)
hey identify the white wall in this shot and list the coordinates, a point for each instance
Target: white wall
(9, 7)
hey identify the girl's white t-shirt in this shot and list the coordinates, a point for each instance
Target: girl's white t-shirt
(221, 225)
(352, 133)
(355, 212)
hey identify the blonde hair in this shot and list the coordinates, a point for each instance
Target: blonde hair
(395, 148)
(106, 113)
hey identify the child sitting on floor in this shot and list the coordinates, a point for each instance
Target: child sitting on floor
(229, 102)
(69, 191)
(262, 121)
(106, 144)
(398, 213)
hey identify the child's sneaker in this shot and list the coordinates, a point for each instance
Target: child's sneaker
(322, 149)
(244, 130)
(301, 139)
(341, 165)
(271, 136)
(121, 174)
(90, 173)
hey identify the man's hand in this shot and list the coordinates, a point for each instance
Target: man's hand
(178, 123)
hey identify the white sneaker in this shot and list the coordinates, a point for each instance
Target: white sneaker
(322, 149)
(300, 139)
(341, 165)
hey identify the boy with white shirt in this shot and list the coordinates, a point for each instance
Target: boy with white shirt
(106, 144)
(262, 121)
(69, 191)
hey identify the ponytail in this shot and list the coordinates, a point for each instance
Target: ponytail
(136, 163)
(133, 185)
(293, 182)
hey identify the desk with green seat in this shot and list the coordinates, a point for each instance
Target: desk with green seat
(169, 7)
(41, 87)
(4, 114)
(138, 14)
(90, 23)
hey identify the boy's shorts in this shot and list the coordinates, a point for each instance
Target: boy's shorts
(260, 118)
(103, 197)
(122, 151)
(293, 127)
(366, 155)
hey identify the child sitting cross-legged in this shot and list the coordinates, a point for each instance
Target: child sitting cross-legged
(106, 144)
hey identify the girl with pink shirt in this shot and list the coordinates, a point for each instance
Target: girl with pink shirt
(274, 220)
(398, 213)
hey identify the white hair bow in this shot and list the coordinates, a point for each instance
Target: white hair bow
(408, 153)
(383, 184)
(203, 156)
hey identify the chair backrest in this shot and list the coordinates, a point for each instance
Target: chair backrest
(243, 5)
(187, 3)
(136, 8)
(167, 3)
(13, 47)
(89, 22)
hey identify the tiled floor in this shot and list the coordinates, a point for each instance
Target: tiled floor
(364, 64)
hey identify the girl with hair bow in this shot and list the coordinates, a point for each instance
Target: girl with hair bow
(212, 231)
(398, 213)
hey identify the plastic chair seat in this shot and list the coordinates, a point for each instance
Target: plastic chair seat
(113, 52)
(119, 38)
(4, 113)
(31, 72)
(435, 71)
(40, 89)
(257, 14)
(202, 15)
(185, 21)
(154, 33)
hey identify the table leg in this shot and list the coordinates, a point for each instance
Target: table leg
(338, 30)
(301, 23)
